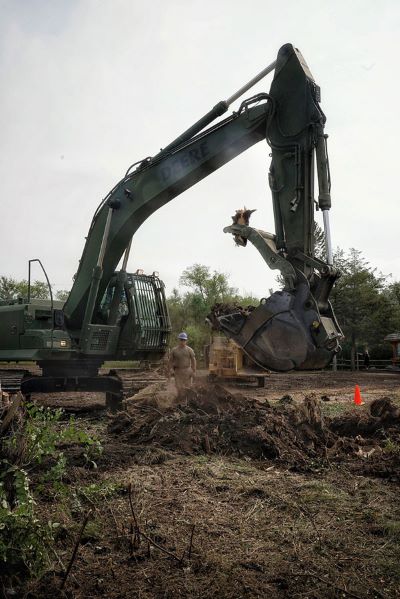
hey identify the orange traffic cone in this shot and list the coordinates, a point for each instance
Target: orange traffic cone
(357, 396)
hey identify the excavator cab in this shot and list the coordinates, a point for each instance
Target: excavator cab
(136, 303)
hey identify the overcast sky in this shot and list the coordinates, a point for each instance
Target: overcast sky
(91, 86)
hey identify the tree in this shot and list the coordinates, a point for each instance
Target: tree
(188, 309)
(319, 242)
(12, 289)
(392, 295)
(210, 287)
(360, 304)
(62, 295)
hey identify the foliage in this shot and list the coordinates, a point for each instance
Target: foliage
(188, 309)
(392, 447)
(96, 491)
(362, 302)
(62, 295)
(41, 437)
(319, 242)
(25, 540)
(210, 287)
(10, 288)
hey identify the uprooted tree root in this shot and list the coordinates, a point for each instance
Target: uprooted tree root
(209, 419)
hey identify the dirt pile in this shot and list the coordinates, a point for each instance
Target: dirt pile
(212, 420)
(209, 419)
(383, 420)
(377, 434)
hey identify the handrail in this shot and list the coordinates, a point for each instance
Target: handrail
(50, 290)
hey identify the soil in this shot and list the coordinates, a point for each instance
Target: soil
(210, 419)
(234, 492)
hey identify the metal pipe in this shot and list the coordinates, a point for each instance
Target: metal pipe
(218, 110)
(126, 256)
(50, 291)
(250, 84)
(324, 179)
(95, 284)
(328, 240)
(103, 246)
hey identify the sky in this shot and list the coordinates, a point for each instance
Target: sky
(90, 86)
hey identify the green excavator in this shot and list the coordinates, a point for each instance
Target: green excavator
(115, 315)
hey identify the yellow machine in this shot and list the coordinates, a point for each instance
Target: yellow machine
(226, 360)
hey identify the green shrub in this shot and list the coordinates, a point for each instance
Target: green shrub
(25, 540)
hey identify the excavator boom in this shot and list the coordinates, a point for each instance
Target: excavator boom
(290, 119)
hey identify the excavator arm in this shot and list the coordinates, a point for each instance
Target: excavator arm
(294, 328)
(152, 185)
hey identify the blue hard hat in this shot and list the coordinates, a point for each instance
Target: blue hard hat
(182, 336)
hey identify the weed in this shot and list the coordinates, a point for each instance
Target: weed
(96, 491)
(391, 447)
(317, 492)
(391, 527)
(25, 541)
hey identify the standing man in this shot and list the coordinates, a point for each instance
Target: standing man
(183, 363)
(366, 358)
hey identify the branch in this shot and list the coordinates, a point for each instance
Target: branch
(75, 551)
(139, 533)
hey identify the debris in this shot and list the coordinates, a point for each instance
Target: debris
(384, 408)
(212, 420)
(209, 419)
(286, 399)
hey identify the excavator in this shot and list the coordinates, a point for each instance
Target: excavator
(111, 314)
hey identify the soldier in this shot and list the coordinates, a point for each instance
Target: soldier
(182, 362)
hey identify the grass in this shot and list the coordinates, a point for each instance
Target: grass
(319, 491)
(260, 530)
(391, 446)
(335, 408)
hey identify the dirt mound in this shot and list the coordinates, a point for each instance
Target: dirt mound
(383, 420)
(386, 410)
(377, 435)
(210, 419)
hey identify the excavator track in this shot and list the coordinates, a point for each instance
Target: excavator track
(11, 380)
(134, 380)
(130, 380)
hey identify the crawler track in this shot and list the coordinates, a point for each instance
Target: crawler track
(131, 380)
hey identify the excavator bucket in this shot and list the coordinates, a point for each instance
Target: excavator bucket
(285, 332)
(294, 328)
